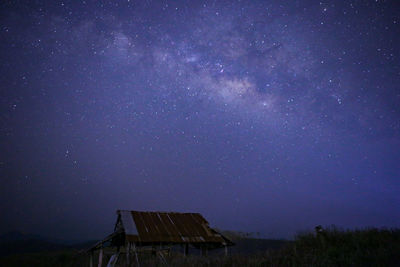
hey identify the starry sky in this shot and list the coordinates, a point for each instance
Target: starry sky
(264, 116)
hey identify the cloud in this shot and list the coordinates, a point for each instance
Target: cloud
(123, 48)
(235, 89)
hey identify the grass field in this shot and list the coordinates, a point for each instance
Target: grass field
(331, 247)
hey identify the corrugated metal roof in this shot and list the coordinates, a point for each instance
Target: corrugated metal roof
(168, 227)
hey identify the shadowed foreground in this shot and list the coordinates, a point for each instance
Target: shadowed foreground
(330, 247)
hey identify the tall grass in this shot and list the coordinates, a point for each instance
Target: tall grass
(336, 247)
(330, 247)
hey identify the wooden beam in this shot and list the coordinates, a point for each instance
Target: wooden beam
(91, 259)
(128, 248)
(135, 250)
(204, 251)
(186, 249)
(101, 242)
(100, 257)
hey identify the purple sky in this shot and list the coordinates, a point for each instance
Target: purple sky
(264, 116)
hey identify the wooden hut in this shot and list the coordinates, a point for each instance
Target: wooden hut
(156, 231)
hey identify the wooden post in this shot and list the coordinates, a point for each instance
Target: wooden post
(204, 251)
(226, 250)
(128, 248)
(186, 249)
(135, 250)
(91, 259)
(100, 256)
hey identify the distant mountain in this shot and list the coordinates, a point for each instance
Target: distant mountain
(254, 245)
(16, 242)
(247, 243)
(28, 246)
(17, 236)
(247, 246)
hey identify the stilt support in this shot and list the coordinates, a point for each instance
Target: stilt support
(128, 248)
(186, 249)
(91, 259)
(204, 251)
(136, 254)
(100, 256)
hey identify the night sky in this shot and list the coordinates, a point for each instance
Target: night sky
(264, 116)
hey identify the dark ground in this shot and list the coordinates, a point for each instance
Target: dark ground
(330, 247)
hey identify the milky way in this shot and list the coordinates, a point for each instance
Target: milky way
(262, 115)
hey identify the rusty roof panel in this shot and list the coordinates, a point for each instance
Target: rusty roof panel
(140, 225)
(168, 227)
(150, 227)
(171, 230)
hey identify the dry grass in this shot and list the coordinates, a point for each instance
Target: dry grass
(333, 247)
